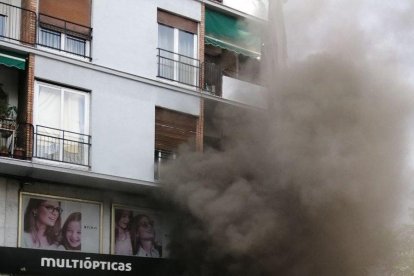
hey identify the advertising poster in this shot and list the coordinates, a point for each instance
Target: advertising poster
(138, 232)
(59, 223)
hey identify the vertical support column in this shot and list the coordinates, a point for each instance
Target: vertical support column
(29, 105)
(28, 22)
(200, 121)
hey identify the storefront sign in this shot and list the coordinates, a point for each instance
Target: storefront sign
(48, 262)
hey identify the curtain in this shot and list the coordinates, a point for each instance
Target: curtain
(75, 45)
(50, 38)
(187, 67)
(2, 27)
(48, 123)
(49, 107)
(74, 121)
(166, 56)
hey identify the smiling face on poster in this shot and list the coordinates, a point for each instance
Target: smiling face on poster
(58, 223)
(138, 232)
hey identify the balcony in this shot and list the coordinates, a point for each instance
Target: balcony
(61, 146)
(64, 36)
(19, 25)
(16, 23)
(20, 141)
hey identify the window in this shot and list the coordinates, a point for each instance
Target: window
(50, 38)
(2, 25)
(172, 128)
(62, 124)
(72, 20)
(75, 45)
(64, 42)
(69, 37)
(177, 49)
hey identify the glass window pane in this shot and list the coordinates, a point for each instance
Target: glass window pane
(187, 64)
(74, 112)
(2, 25)
(49, 107)
(75, 45)
(50, 38)
(186, 43)
(166, 55)
(165, 38)
(48, 135)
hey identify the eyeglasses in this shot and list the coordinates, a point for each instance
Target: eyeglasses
(51, 209)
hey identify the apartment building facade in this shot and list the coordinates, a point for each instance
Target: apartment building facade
(94, 97)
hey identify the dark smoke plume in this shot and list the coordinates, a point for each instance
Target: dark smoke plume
(309, 186)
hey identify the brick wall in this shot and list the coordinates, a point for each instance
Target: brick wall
(28, 27)
(29, 103)
(200, 121)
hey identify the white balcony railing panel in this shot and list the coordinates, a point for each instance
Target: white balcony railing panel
(244, 92)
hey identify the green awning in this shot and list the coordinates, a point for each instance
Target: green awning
(231, 33)
(11, 59)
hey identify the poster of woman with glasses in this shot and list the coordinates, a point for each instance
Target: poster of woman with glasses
(138, 232)
(57, 223)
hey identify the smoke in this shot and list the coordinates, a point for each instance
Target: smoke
(312, 184)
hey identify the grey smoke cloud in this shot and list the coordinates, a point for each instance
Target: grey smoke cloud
(311, 185)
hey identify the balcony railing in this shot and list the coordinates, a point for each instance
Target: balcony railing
(20, 25)
(213, 78)
(17, 24)
(15, 139)
(161, 157)
(65, 36)
(186, 70)
(62, 146)
(178, 68)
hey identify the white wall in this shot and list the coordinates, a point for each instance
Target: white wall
(122, 119)
(125, 35)
(9, 209)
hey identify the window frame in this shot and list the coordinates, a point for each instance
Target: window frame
(63, 43)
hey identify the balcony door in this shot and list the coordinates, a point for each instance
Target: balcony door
(62, 127)
(177, 44)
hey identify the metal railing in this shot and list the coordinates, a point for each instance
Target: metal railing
(186, 70)
(20, 25)
(213, 78)
(17, 24)
(179, 68)
(62, 146)
(76, 37)
(16, 139)
(160, 158)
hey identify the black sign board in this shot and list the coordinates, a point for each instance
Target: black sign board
(46, 262)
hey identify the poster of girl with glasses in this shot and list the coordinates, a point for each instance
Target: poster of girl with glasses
(138, 232)
(57, 223)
